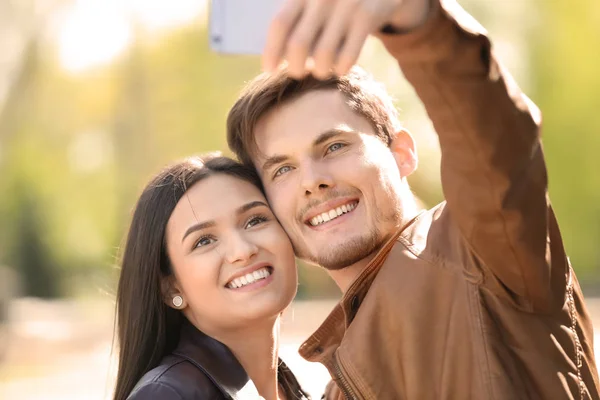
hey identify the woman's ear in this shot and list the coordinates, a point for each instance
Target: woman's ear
(405, 152)
(171, 293)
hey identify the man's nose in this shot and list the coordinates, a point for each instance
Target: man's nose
(315, 177)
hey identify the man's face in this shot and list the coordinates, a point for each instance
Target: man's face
(333, 184)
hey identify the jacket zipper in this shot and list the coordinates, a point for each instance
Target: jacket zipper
(348, 392)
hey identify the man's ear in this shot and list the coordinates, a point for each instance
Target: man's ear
(405, 152)
(171, 293)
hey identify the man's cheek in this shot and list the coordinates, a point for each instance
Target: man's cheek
(278, 201)
(283, 212)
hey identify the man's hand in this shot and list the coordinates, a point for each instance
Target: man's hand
(333, 32)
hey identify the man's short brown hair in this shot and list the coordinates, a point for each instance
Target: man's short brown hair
(267, 91)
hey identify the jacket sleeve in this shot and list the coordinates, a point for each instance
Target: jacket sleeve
(493, 171)
(155, 391)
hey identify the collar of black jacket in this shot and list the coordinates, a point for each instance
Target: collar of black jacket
(216, 361)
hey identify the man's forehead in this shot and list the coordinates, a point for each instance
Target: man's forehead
(316, 104)
(301, 120)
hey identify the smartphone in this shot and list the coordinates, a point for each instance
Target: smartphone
(240, 26)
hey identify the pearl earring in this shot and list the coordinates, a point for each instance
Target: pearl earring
(177, 301)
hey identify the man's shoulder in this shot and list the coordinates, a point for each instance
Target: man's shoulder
(434, 237)
(434, 221)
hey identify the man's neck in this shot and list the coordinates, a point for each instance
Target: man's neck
(344, 277)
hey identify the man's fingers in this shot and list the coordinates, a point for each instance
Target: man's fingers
(358, 31)
(335, 30)
(332, 38)
(279, 32)
(304, 35)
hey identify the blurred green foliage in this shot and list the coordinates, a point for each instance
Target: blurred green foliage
(565, 55)
(76, 149)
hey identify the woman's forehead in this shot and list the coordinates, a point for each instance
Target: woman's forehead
(215, 198)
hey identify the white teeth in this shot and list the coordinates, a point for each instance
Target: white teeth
(249, 278)
(332, 214)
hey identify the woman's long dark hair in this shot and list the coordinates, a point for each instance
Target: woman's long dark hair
(147, 328)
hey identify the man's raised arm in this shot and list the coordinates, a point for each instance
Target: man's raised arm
(493, 170)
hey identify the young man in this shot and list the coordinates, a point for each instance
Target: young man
(473, 299)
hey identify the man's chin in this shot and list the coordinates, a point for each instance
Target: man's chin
(339, 256)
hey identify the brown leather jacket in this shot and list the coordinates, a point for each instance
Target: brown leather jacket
(474, 299)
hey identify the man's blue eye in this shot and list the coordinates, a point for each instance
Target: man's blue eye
(335, 147)
(283, 170)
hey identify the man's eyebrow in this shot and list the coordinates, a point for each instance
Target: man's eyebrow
(197, 227)
(272, 161)
(323, 137)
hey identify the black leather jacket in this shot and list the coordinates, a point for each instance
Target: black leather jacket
(202, 368)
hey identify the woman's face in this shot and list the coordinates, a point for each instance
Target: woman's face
(232, 261)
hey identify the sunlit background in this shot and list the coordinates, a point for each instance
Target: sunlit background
(97, 95)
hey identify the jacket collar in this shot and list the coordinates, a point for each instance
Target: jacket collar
(216, 361)
(321, 344)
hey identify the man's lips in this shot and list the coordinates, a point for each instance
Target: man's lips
(330, 210)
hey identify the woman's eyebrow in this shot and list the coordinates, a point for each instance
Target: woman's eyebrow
(251, 205)
(198, 227)
(209, 224)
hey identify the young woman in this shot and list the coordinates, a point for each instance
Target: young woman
(206, 273)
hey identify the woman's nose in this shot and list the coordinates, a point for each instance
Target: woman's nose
(240, 249)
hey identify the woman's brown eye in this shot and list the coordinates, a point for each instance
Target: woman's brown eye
(204, 241)
(255, 221)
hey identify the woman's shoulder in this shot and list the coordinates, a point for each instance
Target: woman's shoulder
(176, 378)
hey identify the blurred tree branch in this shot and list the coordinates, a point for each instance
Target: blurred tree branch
(18, 91)
(22, 25)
